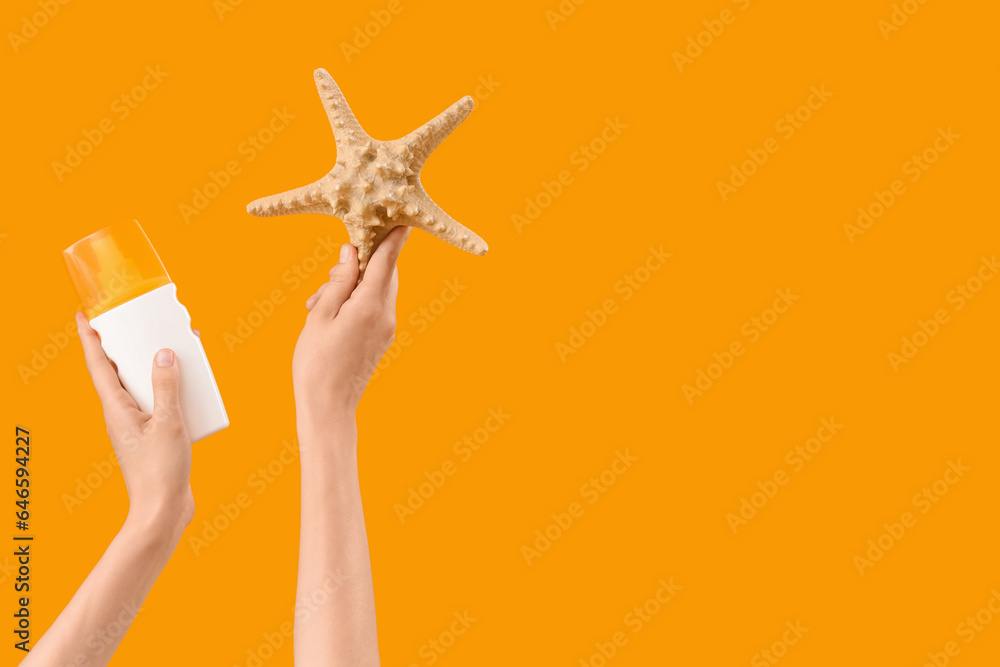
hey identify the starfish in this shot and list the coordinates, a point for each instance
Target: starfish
(375, 185)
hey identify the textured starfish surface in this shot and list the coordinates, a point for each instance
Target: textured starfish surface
(375, 185)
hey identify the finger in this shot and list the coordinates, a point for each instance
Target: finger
(196, 332)
(393, 289)
(102, 373)
(166, 389)
(311, 301)
(378, 275)
(343, 280)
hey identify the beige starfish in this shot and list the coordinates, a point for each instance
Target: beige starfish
(375, 185)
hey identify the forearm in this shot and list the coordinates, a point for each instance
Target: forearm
(92, 625)
(335, 600)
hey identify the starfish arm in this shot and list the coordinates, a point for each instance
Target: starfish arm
(426, 138)
(346, 128)
(307, 199)
(375, 186)
(433, 220)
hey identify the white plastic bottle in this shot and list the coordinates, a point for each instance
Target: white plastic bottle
(130, 301)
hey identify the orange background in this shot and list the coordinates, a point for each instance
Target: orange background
(495, 345)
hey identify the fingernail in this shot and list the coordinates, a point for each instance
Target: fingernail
(345, 252)
(165, 358)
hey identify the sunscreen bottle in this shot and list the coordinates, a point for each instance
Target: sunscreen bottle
(130, 301)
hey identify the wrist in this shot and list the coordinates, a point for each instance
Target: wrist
(324, 411)
(162, 522)
(158, 534)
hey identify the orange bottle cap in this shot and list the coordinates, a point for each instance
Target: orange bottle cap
(112, 266)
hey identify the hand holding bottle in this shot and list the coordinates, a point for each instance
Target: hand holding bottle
(154, 453)
(153, 450)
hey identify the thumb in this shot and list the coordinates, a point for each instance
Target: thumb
(166, 388)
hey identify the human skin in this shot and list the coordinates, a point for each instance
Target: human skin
(154, 453)
(348, 329)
